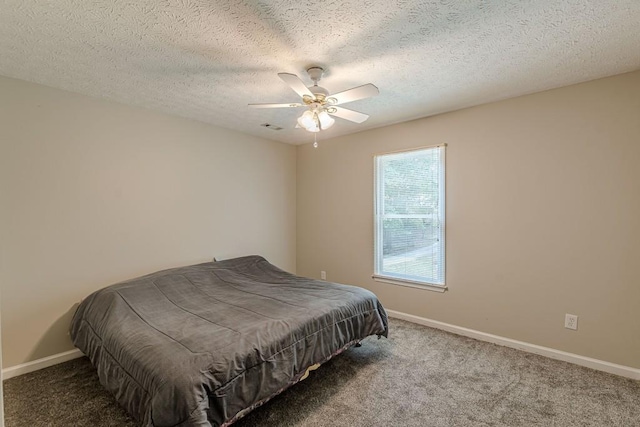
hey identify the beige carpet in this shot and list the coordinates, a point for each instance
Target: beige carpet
(418, 377)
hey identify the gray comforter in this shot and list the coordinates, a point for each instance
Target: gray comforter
(203, 345)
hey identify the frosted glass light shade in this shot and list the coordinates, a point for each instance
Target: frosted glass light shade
(326, 121)
(306, 120)
(309, 121)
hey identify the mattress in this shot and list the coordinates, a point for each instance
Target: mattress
(204, 344)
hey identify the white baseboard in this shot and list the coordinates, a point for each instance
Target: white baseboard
(45, 362)
(600, 365)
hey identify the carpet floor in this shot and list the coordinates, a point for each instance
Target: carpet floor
(418, 377)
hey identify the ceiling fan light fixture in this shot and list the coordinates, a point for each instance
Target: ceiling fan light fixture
(315, 120)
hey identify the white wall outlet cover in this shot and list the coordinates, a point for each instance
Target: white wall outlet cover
(571, 321)
(323, 275)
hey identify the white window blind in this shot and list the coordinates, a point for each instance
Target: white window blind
(409, 216)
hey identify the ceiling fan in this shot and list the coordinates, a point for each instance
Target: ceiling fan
(320, 104)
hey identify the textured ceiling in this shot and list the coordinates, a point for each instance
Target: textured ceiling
(208, 59)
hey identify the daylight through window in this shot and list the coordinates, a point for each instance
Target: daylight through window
(409, 216)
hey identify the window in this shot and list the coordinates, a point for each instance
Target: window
(409, 218)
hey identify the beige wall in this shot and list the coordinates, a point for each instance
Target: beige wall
(3, 187)
(96, 192)
(543, 199)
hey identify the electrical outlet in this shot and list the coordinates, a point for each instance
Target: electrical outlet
(323, 275)
(571, 321)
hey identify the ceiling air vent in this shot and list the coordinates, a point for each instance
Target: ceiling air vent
(270, 126)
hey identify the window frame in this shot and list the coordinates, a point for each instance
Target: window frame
(377, 225)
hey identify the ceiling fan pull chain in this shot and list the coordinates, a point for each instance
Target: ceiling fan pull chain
(315, 140)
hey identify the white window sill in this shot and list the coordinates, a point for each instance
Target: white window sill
(410, 283)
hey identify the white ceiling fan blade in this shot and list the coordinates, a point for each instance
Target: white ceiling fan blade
(291, 105)
(296, 84)
(352, 116)
(350, 95)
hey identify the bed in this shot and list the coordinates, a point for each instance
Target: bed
(205, 344)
